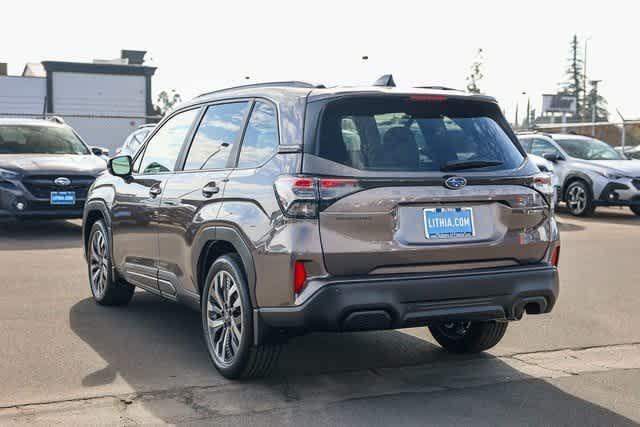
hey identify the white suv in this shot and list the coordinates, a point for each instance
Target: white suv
(590, 172)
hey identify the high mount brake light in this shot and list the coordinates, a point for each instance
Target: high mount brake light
(432, 98)
(303, 196)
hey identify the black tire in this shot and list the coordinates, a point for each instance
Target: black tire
(635, 209)
(477, 336)
(579, 199)
(245, 360)
(110, 290)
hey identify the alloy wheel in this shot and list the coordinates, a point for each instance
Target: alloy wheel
(577, 199)
(455, 329)
(224, 317)
(99, 264)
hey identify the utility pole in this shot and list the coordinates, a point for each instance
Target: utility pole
(594, 99)
(623, 133)
(528, 112)
(584, 74)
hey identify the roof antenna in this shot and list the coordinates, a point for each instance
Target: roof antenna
(386, 80)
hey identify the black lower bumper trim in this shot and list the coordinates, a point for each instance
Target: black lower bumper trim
(405, 301)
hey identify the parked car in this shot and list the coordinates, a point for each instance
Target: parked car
(134, 141)
(45, 169)
(590, 171)
(286, 208)
(630, 152)
(546, 166)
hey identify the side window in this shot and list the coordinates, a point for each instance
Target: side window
(526, 144)
(261, 137)
(164, 147)
(218, 131)
(539, 147)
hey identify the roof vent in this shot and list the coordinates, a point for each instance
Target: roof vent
(386, 80)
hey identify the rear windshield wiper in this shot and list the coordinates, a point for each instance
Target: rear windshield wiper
(469, 164)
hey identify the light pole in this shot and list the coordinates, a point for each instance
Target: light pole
(584, 74)
(594, 100)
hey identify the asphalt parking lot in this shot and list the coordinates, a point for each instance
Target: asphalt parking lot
(63, 359)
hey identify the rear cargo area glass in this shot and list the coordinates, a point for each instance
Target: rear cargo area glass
(415, 133)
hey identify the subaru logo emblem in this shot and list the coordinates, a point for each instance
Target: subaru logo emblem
(455, 182)
(62, 181)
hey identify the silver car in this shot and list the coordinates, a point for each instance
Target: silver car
(590, 172)
(134, 141)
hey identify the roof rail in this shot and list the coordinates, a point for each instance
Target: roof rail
(293, 83)
(437, 88)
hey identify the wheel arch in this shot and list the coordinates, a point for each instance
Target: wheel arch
(94, 211)
(573, 177)
(214, 242)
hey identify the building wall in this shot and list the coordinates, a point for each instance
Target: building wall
(22, 95)
(95, 94)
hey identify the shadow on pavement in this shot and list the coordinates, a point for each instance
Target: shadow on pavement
(45, 234)
(156, 345)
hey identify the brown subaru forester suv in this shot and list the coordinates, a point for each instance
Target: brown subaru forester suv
(285, 208)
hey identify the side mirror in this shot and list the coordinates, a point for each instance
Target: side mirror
(552, 157)
(120, 166)
(99, 151)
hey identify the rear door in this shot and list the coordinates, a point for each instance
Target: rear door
(194, 194)
(420, 184)
(137, 199)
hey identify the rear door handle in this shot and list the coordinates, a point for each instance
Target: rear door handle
(210, 189)
(155, 191)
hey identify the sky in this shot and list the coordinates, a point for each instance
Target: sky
(200, 46)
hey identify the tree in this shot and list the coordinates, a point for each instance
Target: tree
(476, 74)
(592, 99)
(166, 101)
(573, 85)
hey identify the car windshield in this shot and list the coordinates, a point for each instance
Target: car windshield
(416, 133)
(588, 149)
(27, 139)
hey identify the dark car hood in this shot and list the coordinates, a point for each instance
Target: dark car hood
(52, 163)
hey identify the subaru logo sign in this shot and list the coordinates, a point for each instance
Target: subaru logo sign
(455, 182)
(62, 181)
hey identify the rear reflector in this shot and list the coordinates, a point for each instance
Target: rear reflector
(555, 256)
(299, 276)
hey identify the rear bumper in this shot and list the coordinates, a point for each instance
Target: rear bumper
(366, 303)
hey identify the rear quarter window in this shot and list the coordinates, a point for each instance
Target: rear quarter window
(398, 134)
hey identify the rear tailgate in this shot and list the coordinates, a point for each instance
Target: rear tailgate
(383, 230)
(385, 207)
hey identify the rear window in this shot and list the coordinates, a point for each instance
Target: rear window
(415, 134)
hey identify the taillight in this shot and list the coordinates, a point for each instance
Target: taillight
(304, 196)
(555, 256)
(299, 276)
(542, 183)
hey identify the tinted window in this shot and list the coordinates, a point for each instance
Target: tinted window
(218, 131)
(540, 147)
(407, 134)
(40, 140)
(588, 149)
(164, 147)
(261, 137)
